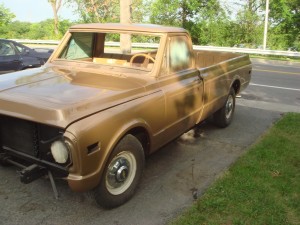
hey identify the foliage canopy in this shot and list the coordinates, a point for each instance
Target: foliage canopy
(210, 22)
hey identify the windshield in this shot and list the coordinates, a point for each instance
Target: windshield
(127, 50)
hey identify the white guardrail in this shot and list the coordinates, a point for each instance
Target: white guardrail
(196, 47)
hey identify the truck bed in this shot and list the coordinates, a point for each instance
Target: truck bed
(218, 70)
(208, 58)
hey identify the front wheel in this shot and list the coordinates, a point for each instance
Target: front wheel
(223, 117)
(122, 173)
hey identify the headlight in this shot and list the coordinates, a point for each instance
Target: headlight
(60, 152)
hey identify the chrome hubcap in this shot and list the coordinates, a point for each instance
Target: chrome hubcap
(229, 107)
(121, 172)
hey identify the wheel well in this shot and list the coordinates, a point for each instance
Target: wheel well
(142, 135)
(236, 86)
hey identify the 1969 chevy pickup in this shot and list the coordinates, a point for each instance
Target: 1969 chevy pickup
(93, 112)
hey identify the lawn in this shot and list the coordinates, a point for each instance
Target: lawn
(262, 187)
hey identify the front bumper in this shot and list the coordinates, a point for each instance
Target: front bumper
(31, 168)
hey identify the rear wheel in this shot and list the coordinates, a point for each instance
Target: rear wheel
(122, 173)
(223, 117)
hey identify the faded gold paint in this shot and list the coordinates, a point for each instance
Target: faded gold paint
(94, 104)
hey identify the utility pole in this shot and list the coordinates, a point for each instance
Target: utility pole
(266, 25)
(125, 18)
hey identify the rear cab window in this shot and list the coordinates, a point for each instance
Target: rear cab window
(79, 47)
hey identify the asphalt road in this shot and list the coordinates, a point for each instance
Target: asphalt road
(174, 174)
(274, 86)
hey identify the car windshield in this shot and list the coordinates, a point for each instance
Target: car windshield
(125, 50)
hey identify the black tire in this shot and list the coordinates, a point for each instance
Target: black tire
(223, 117)
(122, 173)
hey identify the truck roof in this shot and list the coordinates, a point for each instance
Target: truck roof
(128, 27)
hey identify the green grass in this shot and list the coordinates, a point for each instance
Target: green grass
(262, 187)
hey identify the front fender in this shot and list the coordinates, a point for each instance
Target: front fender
(97, 135)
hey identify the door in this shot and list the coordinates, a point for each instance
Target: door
(182, 86)
(9, 59)
(29, 56)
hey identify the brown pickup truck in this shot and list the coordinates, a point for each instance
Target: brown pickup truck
(93, 112)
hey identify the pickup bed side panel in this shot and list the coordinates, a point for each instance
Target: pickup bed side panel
(219, 72)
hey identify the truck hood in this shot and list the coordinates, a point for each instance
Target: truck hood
(58, 96)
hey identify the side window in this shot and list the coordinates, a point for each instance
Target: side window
(179, 54)
(79, 47)
(20, 48)
(6, 49)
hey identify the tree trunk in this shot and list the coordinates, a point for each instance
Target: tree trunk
(55, 4)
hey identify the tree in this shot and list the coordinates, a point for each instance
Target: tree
(17, 29)
(250, 20)
(102, 11)
(55, 4)
(180, 12)
(203, 18)
(5, 17)
(40, 30)
(97, 10)
(140, 11)
(284, 24)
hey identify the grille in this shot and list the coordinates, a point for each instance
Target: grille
(28, 137)
(29, 143)
(20, 135)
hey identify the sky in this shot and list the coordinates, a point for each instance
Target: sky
(36, 10)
